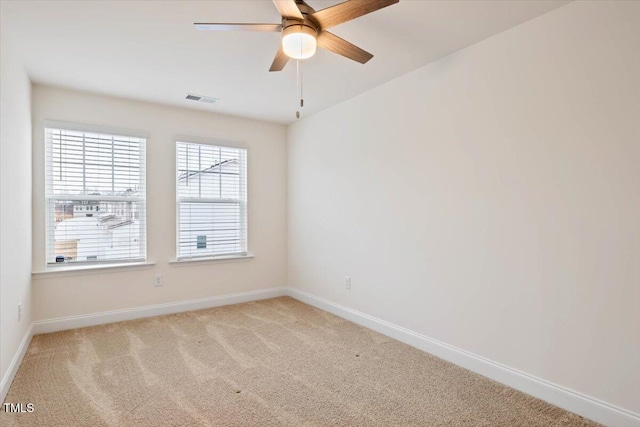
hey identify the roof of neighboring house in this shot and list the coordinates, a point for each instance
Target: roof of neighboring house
(210, 169)
(112, 221)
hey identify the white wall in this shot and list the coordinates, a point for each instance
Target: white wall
(490, 200)
(76, 294)
(15, 207)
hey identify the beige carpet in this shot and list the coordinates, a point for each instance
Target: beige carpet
(276, 362)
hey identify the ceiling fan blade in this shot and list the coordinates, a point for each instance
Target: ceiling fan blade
(238, 27)
(279, 61)
(288, 9)
(342, 47)
(351, 9)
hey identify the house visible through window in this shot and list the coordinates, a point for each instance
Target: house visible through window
(95, 190)
(211, 189)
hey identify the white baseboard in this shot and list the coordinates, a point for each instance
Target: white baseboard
(93, 319)
(5, 384)
(565, 398)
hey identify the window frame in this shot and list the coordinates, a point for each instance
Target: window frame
(51, 198)
(243, 202)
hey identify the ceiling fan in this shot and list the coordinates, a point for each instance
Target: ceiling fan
(303, 29)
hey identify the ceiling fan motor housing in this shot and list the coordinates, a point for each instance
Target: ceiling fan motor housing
(307, 12)
(292, 25)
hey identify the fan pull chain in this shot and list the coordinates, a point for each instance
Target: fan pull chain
(301, 91)
(299, 84)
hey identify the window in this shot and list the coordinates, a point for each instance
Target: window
(95, 190)
(211, 194)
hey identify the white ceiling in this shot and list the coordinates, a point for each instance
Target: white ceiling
(149, 50)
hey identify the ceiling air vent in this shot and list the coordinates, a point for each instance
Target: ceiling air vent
(200, 98)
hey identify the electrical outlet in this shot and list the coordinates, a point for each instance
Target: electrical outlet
(347, 282)
(159, 280)
(19, 312)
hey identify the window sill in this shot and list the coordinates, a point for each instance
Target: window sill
(211, 260)
(90, 269)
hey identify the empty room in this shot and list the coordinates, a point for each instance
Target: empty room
(320, 213)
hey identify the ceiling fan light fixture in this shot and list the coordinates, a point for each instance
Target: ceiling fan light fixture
(299, 41)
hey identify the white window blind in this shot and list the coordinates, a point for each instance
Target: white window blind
(95, 190)
(211, 194)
